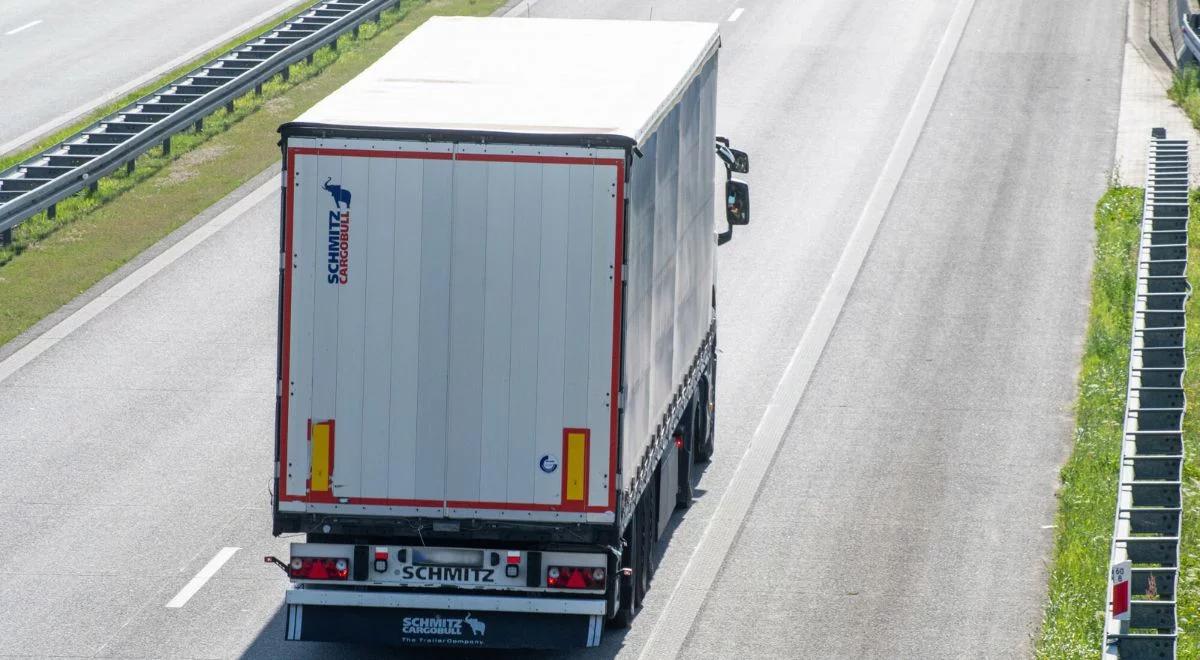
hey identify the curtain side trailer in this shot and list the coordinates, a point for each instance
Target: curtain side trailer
(497, 347)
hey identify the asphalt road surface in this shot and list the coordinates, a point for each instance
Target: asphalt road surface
(904, 511)
(61, 56)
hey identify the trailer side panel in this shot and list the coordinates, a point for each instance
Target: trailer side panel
(671, 263)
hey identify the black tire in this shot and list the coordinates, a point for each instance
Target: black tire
(683, 497)
(628, 601)
(705, 419)
(649, 522)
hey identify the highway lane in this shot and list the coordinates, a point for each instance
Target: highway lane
(62, 56)
(919, 466)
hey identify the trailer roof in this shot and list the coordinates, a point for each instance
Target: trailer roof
(523, 76)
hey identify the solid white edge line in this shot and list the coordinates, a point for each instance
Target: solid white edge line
(690, 592)
(210, 569)
(28, 352)
(737, 13)
(67, 117)
(521, 8)
(22, 28)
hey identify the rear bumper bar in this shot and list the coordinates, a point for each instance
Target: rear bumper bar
(475, 603)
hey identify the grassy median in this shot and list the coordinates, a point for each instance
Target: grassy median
(1072, 626)
(53, 260)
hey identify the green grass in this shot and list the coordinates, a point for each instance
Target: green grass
(1187, 596)
(1072, 625)
(52, 261)
(47, 141)
(1185, 92)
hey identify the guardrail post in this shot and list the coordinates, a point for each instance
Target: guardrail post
(258, 89)
(286, 73)
(333, 45)
(93, 187)
(6, 237)
(199, 125)
(309, 60)
(129, 165)
(229, 107)
(166, 146)
(52, 211)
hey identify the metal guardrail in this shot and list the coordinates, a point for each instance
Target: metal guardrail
(78, 162)
(1187, 30)
(1140, 620)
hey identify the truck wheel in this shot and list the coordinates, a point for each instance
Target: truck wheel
(683, 497)
(627, 601)
(651, 531)
(705, 417)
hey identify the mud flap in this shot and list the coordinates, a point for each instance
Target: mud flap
(442, 628)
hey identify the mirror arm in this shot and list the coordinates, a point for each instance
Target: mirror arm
(725, 236)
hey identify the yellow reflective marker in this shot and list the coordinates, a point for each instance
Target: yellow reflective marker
(576, 465)
(321, 442)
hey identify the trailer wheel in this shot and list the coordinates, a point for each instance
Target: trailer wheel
(705, 417)
(651, 534)
(627, 600)
(683, 496)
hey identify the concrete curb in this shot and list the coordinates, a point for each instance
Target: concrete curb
(1159, 31)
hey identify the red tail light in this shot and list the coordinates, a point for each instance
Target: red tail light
(319, 568)
(575, 577)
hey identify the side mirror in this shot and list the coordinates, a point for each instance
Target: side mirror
(737, 202)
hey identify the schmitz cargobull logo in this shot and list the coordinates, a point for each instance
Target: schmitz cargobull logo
(339, 234)
(468, 630)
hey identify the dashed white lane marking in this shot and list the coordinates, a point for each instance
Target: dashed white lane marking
(22, 28)
(737, 13)
(135, 279)
(210, 569)
(671, 630)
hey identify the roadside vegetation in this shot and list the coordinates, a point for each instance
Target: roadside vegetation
(53, 260)
(1187, 596)
(1072, 626)
(1185, 92)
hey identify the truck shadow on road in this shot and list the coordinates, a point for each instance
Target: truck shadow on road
(270, 643)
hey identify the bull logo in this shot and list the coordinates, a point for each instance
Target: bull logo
(478, 628)
(339, 194)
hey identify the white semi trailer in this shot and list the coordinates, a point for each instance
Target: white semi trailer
(497, 347)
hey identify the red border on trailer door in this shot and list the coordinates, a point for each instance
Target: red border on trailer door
(286, 330)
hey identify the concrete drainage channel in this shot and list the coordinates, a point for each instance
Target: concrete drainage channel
(78, 162)
(1140, 619)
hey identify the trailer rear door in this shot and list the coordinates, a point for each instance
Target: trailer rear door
(451, 329)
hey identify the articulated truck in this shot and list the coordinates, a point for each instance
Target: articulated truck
(498, 340)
